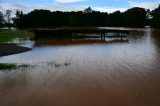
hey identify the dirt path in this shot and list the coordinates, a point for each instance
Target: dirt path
(9, 49)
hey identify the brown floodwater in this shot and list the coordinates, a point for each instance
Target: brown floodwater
(85, 74)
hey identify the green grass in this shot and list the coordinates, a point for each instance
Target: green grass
(10, 67)
(7, 66)
(55, 64)
(7, 35)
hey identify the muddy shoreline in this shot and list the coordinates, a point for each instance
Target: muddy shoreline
(10, 49)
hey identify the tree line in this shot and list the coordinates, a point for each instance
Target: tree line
(5, 19)
(134, 17)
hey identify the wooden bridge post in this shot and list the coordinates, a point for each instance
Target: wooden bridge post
(121, 36)
(104, 36)
(35, 35)
(101, 36)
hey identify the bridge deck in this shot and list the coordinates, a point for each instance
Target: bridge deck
(69, 32)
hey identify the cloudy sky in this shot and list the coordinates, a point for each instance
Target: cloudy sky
(75, 5)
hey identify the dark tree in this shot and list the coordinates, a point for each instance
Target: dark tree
(155, 22)
(115, 19)
(76, 19)
(88, 10)
(19, 13)
(135, 17)
(8, 18)
(1, 20)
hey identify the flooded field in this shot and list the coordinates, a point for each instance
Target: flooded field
(93, 73)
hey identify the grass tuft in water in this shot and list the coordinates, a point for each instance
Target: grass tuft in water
(55, 64)
(67, 64)
(24, 65)
(7, 66)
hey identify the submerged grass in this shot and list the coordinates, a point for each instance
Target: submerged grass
(7, 66)
(56, 65)
(7, 35)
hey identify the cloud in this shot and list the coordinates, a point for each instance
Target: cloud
(109, 9)
(69, 1)
(11, 6)
(66, 5)
(147, 5)
(55, 6)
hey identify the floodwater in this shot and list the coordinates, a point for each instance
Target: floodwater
(85, 74)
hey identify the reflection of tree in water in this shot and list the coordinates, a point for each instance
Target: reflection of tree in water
(156, 39)
(8, 87)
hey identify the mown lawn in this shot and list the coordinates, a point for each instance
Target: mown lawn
(7, 35)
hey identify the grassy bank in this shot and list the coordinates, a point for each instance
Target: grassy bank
(7, 35)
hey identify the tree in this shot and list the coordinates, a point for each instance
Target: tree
(19, 13)
(155, 22)
(76, 19)
(16, 20)
(88, 10)
(135, 17)
(8, 18)
(115, 19)
(1, 20)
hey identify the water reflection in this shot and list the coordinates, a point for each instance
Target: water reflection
(89, 74)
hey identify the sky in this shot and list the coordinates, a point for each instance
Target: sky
(77, 5)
